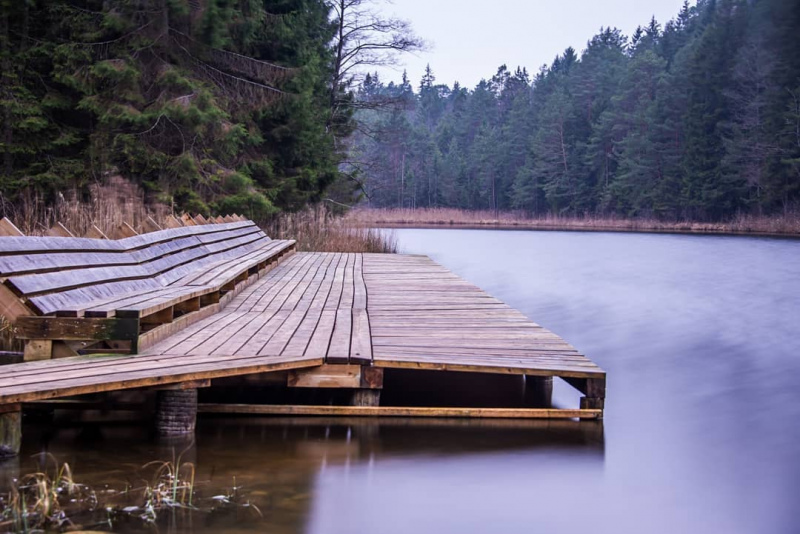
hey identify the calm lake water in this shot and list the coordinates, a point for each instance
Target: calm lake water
(699, 336)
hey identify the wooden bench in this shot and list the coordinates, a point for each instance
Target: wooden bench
(106, 296)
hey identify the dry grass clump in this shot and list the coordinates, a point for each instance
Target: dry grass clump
(108, 206)
(8, 341)
(53, 502)
(788, 225)
(318, 229)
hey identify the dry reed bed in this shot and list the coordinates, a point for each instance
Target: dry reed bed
(319, 230)
(785, 225)
(107, 207)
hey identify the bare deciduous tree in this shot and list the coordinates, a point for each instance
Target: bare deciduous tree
(366, 38)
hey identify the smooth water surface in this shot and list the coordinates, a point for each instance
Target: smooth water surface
(699, 336)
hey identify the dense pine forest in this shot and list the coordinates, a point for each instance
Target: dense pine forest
(698, 118)
(262, 106)
(210, 105)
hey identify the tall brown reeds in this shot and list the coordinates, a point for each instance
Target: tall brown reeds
(318, 229)
(783, 225)
(107, 206)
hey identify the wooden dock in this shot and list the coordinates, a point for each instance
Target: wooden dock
(385, 311)
(329, 320)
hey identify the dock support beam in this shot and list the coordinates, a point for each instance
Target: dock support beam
(538, 391)
(594, 390)
(176, 411)
(10, 430)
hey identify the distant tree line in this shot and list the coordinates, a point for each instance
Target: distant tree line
(697, 119)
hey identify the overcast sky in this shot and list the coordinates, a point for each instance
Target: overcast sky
(470, 39)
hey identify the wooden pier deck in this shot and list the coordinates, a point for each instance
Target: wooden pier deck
(360, 311)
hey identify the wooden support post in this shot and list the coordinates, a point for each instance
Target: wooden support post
(59, 230)
(326, 376)
(209, 298)
(594, 390)
(172, 222)
(538, 391)
(187, 220)
(124, 230)
(9, 229)
(95, 233)
(11, 307)
(187, 306)
(199, 219)
(10, 430)
(149, 225)
(366, 397)
(167, 315)
(176, 411)
(38, 349)
(62, 350)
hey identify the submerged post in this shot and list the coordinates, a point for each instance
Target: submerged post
(10, 430)
(176, 411)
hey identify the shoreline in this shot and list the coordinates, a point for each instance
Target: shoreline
(567, 228)
(787, 228)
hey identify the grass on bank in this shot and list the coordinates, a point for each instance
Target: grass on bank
(788, 225)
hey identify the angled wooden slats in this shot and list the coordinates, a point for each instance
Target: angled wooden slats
(77, 298)
(41, 245)
(34, 284)
(21, 264)
(227, 270)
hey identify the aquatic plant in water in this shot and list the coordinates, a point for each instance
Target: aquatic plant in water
(53, 502)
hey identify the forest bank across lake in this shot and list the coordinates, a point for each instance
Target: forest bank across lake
(775, 226)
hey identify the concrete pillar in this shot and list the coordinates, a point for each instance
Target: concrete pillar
(366, 397)
(539, 391)
(10, 432)
(176, 411)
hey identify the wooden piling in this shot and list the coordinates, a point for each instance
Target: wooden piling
(539, 391)
(10, 430)
(176, 411)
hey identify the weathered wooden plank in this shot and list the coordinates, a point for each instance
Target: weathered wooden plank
(76, 328)
(302, 336)
(397, 411)
(151, 377)
(361, 340)
(326, 376)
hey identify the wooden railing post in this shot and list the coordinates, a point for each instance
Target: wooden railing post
(38, 349)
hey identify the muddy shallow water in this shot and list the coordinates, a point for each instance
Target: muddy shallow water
(702, 431)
